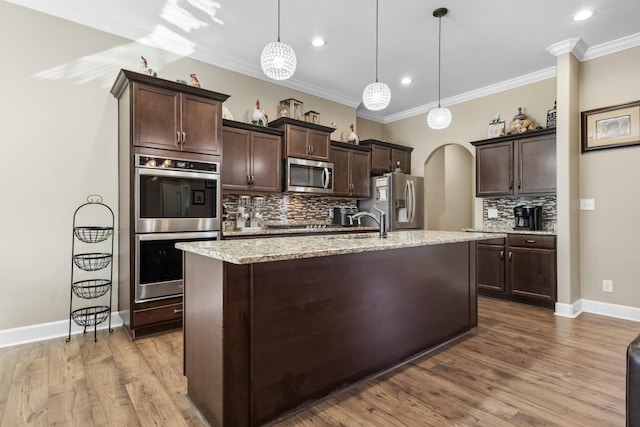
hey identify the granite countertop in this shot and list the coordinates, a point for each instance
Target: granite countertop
(510, 231)
(281, 231)
(250, 251)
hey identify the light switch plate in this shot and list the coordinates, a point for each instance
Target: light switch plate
(587, 204)
(492, 213)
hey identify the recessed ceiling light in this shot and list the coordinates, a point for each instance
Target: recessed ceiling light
(318, 42)
(406, 80)
(582, 15)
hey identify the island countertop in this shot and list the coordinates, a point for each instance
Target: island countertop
(287, 248)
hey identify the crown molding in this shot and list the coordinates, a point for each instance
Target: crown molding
(614, 46)
(537, 76)
(575, 46)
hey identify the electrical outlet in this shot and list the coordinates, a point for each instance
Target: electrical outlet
(492, 213)
(587, 204)
(607, 286)
(330, 213)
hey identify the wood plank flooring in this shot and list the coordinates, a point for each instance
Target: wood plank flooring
(523, 366)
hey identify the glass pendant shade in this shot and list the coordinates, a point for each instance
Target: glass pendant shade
(376, 96)
(278, 60)
(439, 118)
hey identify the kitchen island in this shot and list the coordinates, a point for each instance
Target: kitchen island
(272, 325)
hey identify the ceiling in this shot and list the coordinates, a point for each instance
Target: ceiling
(485, 43)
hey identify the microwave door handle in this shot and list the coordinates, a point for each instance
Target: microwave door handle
(325, 177)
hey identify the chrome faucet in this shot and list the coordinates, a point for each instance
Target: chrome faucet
(380, 221)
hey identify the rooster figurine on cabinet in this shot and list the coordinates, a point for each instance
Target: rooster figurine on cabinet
(352, 138)
(258, 117)
(144, 69)
(194, 80)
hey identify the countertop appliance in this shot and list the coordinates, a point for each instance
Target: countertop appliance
(528, 217)
(308, 176)
(341, 215)
(400, 197)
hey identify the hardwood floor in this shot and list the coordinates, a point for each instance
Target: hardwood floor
(523, 366)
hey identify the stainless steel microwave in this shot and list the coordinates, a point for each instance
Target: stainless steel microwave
(308, 176)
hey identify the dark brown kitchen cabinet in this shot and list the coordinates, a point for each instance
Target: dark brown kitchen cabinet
(304, 140)
(251, 158)
(516, 164)
(385, 156)
(522, 269)
(169, 119)
(532, 267)
(350, 170)
(156, 117)
(491, 267)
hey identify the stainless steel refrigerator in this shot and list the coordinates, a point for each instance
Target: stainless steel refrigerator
(400, 197)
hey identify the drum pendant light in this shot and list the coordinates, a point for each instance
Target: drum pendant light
(439, 118)
(377, 95)
(278, 60)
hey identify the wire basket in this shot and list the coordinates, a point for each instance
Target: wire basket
(92, 261)
(92, 288)
(90, 316)
(93, 234)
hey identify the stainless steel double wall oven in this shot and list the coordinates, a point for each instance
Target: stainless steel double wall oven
(175, 200)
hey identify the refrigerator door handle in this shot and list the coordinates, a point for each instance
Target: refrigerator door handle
(413, 201)
(408, 199)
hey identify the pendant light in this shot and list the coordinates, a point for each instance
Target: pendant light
(278, 60)
(377, 95)
(439, 118)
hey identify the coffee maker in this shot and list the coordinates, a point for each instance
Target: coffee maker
(528, 217)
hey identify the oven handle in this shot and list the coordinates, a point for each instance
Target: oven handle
(176, 174)
(178, 236)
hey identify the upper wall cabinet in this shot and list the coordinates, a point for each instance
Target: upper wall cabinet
(304, 140)
(516, 164)
(351, 170)
(385, 156)
(171, 116)
(251, 159)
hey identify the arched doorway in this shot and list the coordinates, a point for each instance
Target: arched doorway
(448, 184)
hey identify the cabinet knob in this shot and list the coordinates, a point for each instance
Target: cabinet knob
(177, 137)
(510, 184)
(501, 255)
(510, 256)
(184, 137)
(530, 241)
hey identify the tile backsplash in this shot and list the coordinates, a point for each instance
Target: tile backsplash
(505, 205)
(290, 209)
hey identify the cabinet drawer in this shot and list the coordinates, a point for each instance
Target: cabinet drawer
(532, 241)
(157, 314)
(497, 241)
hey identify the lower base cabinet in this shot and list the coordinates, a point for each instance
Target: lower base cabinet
(522, 269)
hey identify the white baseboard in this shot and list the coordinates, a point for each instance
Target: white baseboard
(598, 307)
(45, 331)
(569, 310)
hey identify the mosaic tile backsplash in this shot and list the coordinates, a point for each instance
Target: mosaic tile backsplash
(289, 209)
(506, 220)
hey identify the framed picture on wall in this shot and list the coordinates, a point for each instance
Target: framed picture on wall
(611, 127)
